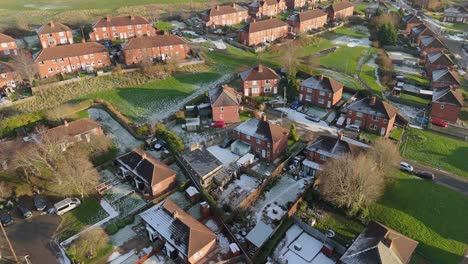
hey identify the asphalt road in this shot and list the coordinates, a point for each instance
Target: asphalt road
(447, 179)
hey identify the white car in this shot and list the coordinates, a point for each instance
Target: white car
(406, 167)
(354, 128)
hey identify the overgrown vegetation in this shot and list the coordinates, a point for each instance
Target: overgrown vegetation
(174, 143)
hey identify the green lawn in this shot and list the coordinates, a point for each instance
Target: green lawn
(417, 80)
(413, 98)
(140, 102)
(436, 151)
(367, 75)
(396, 133)
(351, 32)
(98, 258)
(360, 8)
(88, 213)
(344, 59)
(346, 230)
(321, 44)
(164, 25)
(80, 4)
(429, 213)
(346, 80)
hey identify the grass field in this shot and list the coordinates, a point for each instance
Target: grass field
(437, 151)
(351, 32)
(80, 4)
(427, 212)
(344, 59)
(413, 98)
(417, 80)
(367, 75)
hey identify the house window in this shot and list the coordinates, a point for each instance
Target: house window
(254, 90)
(61, 60)
(51, 70)
(358, 114)
(247, 137)
(138, 26)
(113, 28)
(322, 93)
(309, 90)
(61, 34)
(258, 141)
(92, 56)
(4, 75)
(99, 62)
(267, 89)
(49, 35)
(4, 45)
(385, 121)
(375, 118)
(308, 98)
(254, 82)
(321, 101)
(373, 127)
(323, 157)
(267, 81)
(129, 27)
(85, 56)
(41, 63)
(54, 61)
(442, 106)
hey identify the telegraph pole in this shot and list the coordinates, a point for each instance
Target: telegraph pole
(9, 244)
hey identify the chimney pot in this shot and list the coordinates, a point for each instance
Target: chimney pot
(264, 118)
(340, 136)
(321, 77)
(373, 100)
(132, 18)
(217, 7)
(108, 18)
(51, 23)
(233, 4)
(65, 123)
(260, 68)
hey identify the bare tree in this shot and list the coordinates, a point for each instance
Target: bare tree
(25, 65)
(290, 57)
(6, 190)
(385, 154)
(351, 182)
(88, 244)
(79, 175)
(154, 13)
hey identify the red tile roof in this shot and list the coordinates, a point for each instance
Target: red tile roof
(224, 96)
(120, 21)
(226, 9)
(53, 27)
(259, 72)
(340, 6)
(265, 25)
(5, 38)
(311, 14)
(160, 171)
(72, 50)
(71, 129)
(153, 41)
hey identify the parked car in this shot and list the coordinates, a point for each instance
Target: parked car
(66, 205)
(427, 175)
(295, 105)
(40, 203)
(312, 118)
(439, 122)
(226, 143)
(218, 124)
(6, 220)
(354, 128)
(406, 167)
(24, 211)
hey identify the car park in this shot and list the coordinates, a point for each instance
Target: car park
(39, 203)
(226, 143)
(24, 211)
(6, 219)
(406, 167)
(354, 128)
(427, 175)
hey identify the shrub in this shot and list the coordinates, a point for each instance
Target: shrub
(174, 143)
(143, 130)
(111, 228)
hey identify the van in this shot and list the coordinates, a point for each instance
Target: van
(66, 205)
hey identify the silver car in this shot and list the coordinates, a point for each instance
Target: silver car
(406, 167)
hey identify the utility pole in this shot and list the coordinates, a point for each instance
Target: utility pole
(9, 244)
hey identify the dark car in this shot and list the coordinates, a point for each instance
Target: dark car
(427, 175)
(6, 220)
(312, 118)
(295, 105)
(226, 143)
(24, 211)
(40, 203)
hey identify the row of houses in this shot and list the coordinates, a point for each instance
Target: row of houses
(447, 100)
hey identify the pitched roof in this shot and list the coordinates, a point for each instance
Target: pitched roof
(223, 96)
(225, 9)
(52, 27)
(447, 96)
(153, 41)
(380, 108)
(72, 50)
(411, 19)
(437, 75)
(71, 129)
(183, 231)
(262, 129)
(311, 14)
(439, 58)
(432, 42)
(120, 21)
(5, 38)
(264, 25)
(6, 67)
(339, 6)
(380, 244)
(422, 30)
(263, 3)
(333, 146)
(322, 83)
(259, 72)
(146, 166)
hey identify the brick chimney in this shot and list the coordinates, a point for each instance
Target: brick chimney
(144, 155)
(108, 18)
(83, 40)
(65, 123)
(234, 5)
(372, 100)
(260, 68)
(51, 23)
(264, 118)
(132, 17)
(321, 77)
(340, 136)
(175, 214)
(217, 7)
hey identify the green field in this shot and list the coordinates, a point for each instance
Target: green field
(344, 59)
(429, 213)
(351, 32)
(436, 151)
(80, 4)
(367, 75)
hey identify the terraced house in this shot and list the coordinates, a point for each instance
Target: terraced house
(8, 46)
(121, 27)
(340, 11)
(257, 33)
(444, 78)
(436, 61)
(410, 21)
(53, 34)
(9, 78)
(447, 104)
(431, 45)
(259, 80)
(227, 15)
(419, 32)
(296, 4)
(156, 48)
(269, 8)
(71, 58)
(307, 21)
(372, 114)
(322, 91)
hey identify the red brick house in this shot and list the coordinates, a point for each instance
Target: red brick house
(456, 14)
(307, 20)
(9, 78)
(122, 27)
(269, 8)
(259, 80)
(158, 48)
(436, 61)
(71, 58)
(226, 15)
(410, 21)
(257, 33)
(427, 4)
(53, 34)
(322, 91)
(446, 104)
(151, 176)
(225, 104)
(265, 140)
(295, 4)
(444, 78)
(419, 32)
(372, 114)
(431, 45)
(340, 11)
(8, 46)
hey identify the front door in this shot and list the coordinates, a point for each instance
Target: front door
(382, 131)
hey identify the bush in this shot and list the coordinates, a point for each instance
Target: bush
(143, 130)
(293, 133)
(174, 143)
(111, 228)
